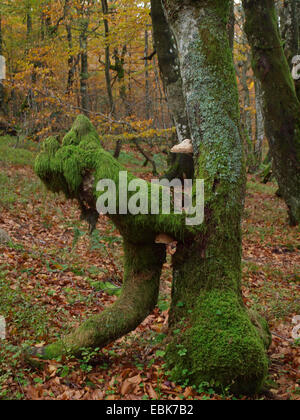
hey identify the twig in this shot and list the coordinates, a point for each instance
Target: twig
(283, 338)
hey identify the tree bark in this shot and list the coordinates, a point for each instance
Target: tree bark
(84, 71)
(231, 24)
(260, 125)
(112, 108)
(290, 32)
(107, 59)
(289, 26)
(281, 105)
(147, 80)
(2, 100)
(72, 62)
(169, 66)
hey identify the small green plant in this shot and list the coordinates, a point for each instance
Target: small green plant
(87, 355)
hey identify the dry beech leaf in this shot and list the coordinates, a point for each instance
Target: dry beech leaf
(127, 387)
(152, 394)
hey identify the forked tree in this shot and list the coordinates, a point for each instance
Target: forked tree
(212, 336)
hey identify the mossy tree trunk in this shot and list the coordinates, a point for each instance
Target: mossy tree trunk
(281, 105)
(212, 338)
(217, 342)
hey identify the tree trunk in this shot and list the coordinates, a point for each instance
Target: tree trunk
(147, 80)
(290, 32)
(260, 125)
(2, 100)
(168, 61)
(231, 24)
(84, 71)
(112, 109)
(107, 59)
(289, 26)
(217, 342)
(71, 60)
(282, 116)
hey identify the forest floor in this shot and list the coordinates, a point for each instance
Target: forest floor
(53, 276)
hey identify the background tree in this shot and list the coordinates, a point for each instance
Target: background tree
(289, 13)
(282, 117)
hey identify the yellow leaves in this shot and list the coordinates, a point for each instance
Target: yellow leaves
(251, 86)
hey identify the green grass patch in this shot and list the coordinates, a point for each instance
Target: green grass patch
(22, 154)
(259, 187)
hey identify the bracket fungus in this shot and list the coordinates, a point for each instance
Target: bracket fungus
(186, 147)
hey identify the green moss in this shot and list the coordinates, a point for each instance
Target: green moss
(222, 346)
(62, 168)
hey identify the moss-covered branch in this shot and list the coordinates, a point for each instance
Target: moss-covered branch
(77, 166)
(143, 266)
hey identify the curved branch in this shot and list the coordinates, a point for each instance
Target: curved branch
(139, 296)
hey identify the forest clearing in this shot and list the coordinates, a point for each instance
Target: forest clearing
(186, 291)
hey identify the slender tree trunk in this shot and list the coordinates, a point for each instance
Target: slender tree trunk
(246, 101)
(281, 105)
(147, 81)
(112, 110)
(260, 125)
(84, 72)
(2, 100)
(107, 59)
(28, 20)
(71, 60)
(161, 97)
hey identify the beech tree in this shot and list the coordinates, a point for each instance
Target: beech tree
(282, 116)
(212, 336)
